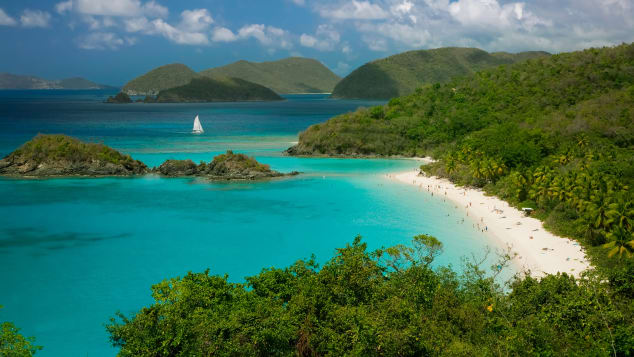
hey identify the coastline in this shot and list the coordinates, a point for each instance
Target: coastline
(537, 250)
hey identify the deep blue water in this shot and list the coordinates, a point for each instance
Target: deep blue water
(75, 251)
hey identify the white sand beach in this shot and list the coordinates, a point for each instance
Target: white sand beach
(537, 250)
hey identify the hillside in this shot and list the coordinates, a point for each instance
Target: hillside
(12, 81)
(216, 90)
(164, 77)
(289, 75)
(555, 134)
(401, 74)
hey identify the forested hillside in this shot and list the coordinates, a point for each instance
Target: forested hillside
(555, 134)
(288, 75)
(401, 74)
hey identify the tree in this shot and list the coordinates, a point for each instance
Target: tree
(13, 344)
(621, 243)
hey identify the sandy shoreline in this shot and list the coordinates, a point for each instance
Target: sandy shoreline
(537, 250)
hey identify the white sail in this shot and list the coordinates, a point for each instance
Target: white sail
(197, 127)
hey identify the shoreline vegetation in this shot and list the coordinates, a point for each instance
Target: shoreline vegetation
(534, 250)
(65, 156)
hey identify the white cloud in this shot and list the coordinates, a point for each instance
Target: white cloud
(299, 2)
(269, 36)
(177, 35)
(6, 20)
(137, 24)
(195, 20)
(35, 18)
(223, 34)
(152, 9)
(123, 8)
(375, 43)
(325, 39)
(101, 41)
(64, 7)
(359, 10)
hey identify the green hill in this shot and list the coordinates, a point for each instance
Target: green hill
(555, 134)
(401, 74)
(289, 75)
(205, 89)
(13, 81)
(164, 77)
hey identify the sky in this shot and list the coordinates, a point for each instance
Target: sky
(113, 41)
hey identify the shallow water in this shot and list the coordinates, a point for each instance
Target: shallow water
(75, 251)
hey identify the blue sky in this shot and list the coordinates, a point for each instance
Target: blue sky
(112, 41)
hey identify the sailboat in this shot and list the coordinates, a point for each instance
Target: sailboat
(198, 129)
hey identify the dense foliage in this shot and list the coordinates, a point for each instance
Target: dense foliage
(555, 134)
(289, 75)
(401, 74)
(164, 77)
(205, 89)
(13, 344)
(389, 302)
(61, 147)
(120, 98)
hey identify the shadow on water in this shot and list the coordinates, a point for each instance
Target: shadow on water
(30, 237)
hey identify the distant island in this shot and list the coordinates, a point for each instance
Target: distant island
(228, 166)
(120, 98)
(216, 90)
(401, 74)
(65, 156)
(286, 76)
(13, 81)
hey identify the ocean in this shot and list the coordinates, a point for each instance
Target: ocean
(74, 252)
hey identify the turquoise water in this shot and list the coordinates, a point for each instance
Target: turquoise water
(75, 251)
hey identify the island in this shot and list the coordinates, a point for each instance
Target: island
(228, 166)
(217, 90)
(61, 155)
(120, 98)
(15, 81)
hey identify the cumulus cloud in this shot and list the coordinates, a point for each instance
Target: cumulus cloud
(177, 35)
(102, 41)
(358, 10)
(6, 20)
(124, 8)
(64, 7)
(325, 39)
(269, 36)
(35, 18)
(494, 25)
(223, 34)
(195, 20)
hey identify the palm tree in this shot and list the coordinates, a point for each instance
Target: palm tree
(622, 243)
(598, 213)
(621, 213)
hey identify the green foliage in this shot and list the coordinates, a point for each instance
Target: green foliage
(557, 131)
(44, 148)
(401, 74)
(164, 77)
(217, 90)
(289, 75)
(389, 302)
(13, 344)
(242, 161)
(120, 98)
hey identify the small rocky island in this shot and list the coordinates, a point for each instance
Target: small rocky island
(228, 166)
(64, 156)
(61, 155)
(120, 98)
